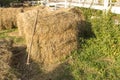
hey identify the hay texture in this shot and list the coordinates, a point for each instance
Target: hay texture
(8, 17)
(6, 72)
(55, 35)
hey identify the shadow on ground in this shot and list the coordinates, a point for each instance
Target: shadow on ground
(85, 33)
(33, 71)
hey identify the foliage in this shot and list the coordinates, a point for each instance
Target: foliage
(7, 2)
(98, 58)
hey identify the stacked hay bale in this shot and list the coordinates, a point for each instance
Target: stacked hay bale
(55, 35)
(8, 17)
(6, 72)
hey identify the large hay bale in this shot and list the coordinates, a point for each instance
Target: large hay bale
(55, 36)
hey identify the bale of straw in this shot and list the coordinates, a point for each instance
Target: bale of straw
(55, 35)
(8, 17)
(6, 72)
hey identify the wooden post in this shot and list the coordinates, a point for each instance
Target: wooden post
(79, 1)
(70, 3)
(83, 1)
(110, 2)
(106, 2)
(47, 3)
(106, 6)
(92, 3)
(96, 1)
(65, 3)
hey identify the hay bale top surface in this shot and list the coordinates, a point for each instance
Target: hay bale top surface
(47, 11)
(48, 18)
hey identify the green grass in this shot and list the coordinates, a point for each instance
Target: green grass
(99, 57)
(4, 33)
(16, 39)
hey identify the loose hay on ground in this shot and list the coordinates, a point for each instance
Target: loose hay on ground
(6, 72)
(55, 36)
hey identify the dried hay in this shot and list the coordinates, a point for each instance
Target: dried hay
(8, 16)
(55, 36)
(6, 72)
(21, 21)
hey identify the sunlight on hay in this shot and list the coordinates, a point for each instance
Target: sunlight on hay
(8, 17)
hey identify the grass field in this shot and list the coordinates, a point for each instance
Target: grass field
(99, 56)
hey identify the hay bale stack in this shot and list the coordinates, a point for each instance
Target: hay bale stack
(6, 72)
(8, 17)
(55, 36)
